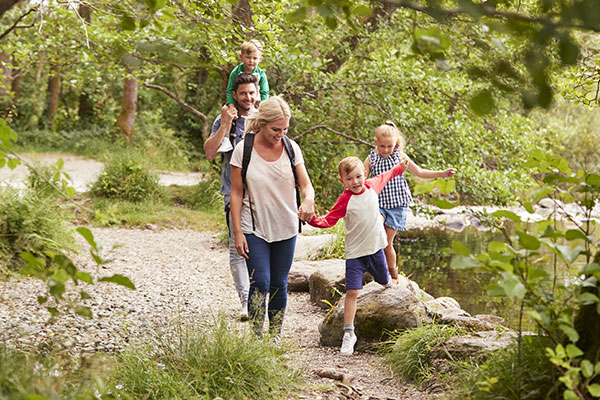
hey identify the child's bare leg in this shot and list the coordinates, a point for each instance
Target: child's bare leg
(390, 253)
(350, 306)
(349, 339)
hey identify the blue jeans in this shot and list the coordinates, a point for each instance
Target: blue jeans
(268, 268)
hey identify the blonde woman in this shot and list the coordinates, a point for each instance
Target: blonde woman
(265, 213)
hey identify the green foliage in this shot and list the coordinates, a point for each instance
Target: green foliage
(410, 349)
(205, 195)
(31, 222)
(337, 245)
(126, 177)
(507, 374)
(31, 375)
(212, 362)
(552, 289)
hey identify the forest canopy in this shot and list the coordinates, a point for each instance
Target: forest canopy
(473, 85)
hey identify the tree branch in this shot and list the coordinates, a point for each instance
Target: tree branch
(487, 11)
(183, 104)
(11, 28)
(327, 128)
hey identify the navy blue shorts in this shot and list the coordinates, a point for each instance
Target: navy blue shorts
(375, 264)
(395, 218)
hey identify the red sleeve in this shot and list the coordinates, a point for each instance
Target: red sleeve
(338, 211)
(377, 183)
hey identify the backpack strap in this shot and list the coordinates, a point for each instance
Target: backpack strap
(247, 153)
(287, 143)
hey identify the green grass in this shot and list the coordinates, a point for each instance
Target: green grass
(409, 352)
(220, 361)
(51, 375)
(501, 376)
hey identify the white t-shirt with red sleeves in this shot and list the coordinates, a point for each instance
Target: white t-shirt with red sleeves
(365, 234)
(270, 187)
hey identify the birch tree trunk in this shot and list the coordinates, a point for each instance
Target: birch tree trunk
(128, 107)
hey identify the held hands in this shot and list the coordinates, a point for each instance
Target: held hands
(404, 162)
(306, 211)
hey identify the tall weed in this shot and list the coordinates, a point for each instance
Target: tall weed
(409, 353)
(218, 362)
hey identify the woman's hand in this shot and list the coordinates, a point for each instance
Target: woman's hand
(306, 212)
(241, 245)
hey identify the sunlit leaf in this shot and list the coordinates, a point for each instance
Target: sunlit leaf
(463, 262)
(528, 241)
(573, 234)
(118, 279)
(460, 248)
(444, 204)
(84, 312)
(506, 214)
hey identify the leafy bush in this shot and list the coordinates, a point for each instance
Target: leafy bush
(218, 362)
(125, 177)
(30, 222)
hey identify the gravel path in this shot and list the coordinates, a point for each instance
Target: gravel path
(181, 276)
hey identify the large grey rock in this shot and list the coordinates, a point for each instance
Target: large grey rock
(328, 283)
(379, 310)
(300, 273)
(476, 345)
(309, 246)
(446, 310)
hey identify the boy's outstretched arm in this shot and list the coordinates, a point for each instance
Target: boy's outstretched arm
(377, 183)
(338, 211)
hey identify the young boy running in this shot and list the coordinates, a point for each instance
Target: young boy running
(365, 234)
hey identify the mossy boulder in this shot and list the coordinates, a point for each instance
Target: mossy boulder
(379, 310)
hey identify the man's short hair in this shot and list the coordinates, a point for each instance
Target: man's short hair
(243, 79)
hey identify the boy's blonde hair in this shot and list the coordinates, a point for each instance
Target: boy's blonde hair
(389, 130)
(348, 164)
(272, 109)
(251, 46)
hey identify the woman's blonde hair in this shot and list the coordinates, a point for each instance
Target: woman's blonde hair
(272, 109)
(389, 130)
(348, 164)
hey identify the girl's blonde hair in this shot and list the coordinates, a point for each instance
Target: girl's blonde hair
(348, 164)
(389, 130)
(272, 109)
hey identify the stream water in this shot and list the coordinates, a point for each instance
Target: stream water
(422, 258)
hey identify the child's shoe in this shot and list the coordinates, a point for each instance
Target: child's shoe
(348, 344)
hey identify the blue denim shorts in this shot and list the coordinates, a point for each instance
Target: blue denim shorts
(395, 218)
(375, 264)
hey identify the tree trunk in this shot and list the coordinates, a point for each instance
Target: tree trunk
(128, 107)
(5, 5)
(242, 13)
(54, 93)
(86, 107)
(587, 324)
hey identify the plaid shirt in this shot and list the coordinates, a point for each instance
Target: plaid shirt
(396, 192)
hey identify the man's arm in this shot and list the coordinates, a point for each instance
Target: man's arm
(212, 144)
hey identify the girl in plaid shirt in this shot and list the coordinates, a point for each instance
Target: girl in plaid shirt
(395, 197)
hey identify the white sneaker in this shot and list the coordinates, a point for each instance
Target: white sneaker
(348, 344)
(244, 313)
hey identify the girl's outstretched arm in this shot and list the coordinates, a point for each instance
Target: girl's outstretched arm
(427, 173)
